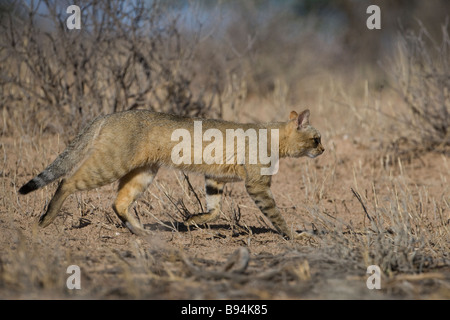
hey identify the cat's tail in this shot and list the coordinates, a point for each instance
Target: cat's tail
(63, 163)
(67, 160)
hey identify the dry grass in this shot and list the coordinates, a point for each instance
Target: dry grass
(397, 218)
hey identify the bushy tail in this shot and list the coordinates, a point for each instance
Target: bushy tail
(54, 171)
(67, 160)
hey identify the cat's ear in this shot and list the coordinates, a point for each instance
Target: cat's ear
(303, 119)
(293, 115)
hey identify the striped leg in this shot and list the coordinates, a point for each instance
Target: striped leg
(261, 194)
(214, 191)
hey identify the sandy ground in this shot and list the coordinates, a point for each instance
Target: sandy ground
(176, 262)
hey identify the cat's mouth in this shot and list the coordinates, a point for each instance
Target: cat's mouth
(313, 155)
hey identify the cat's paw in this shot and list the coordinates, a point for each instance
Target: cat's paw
(200, 218)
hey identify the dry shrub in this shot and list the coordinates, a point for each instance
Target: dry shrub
(126, 55)
(400, 233)
(420, 73)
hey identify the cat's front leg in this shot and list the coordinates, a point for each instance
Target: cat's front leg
(259, 191)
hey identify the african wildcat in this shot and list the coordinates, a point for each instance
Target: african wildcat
(132, 145)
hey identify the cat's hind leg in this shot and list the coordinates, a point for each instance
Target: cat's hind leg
(131, 187)
(214, 191)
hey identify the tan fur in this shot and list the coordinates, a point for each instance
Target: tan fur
(131, 146)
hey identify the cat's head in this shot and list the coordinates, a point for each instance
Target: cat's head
(302, 138)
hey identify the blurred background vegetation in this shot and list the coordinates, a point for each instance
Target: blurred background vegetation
(211, 58)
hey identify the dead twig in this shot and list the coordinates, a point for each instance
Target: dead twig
(356, 194)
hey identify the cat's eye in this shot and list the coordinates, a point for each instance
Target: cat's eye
(316, 140)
